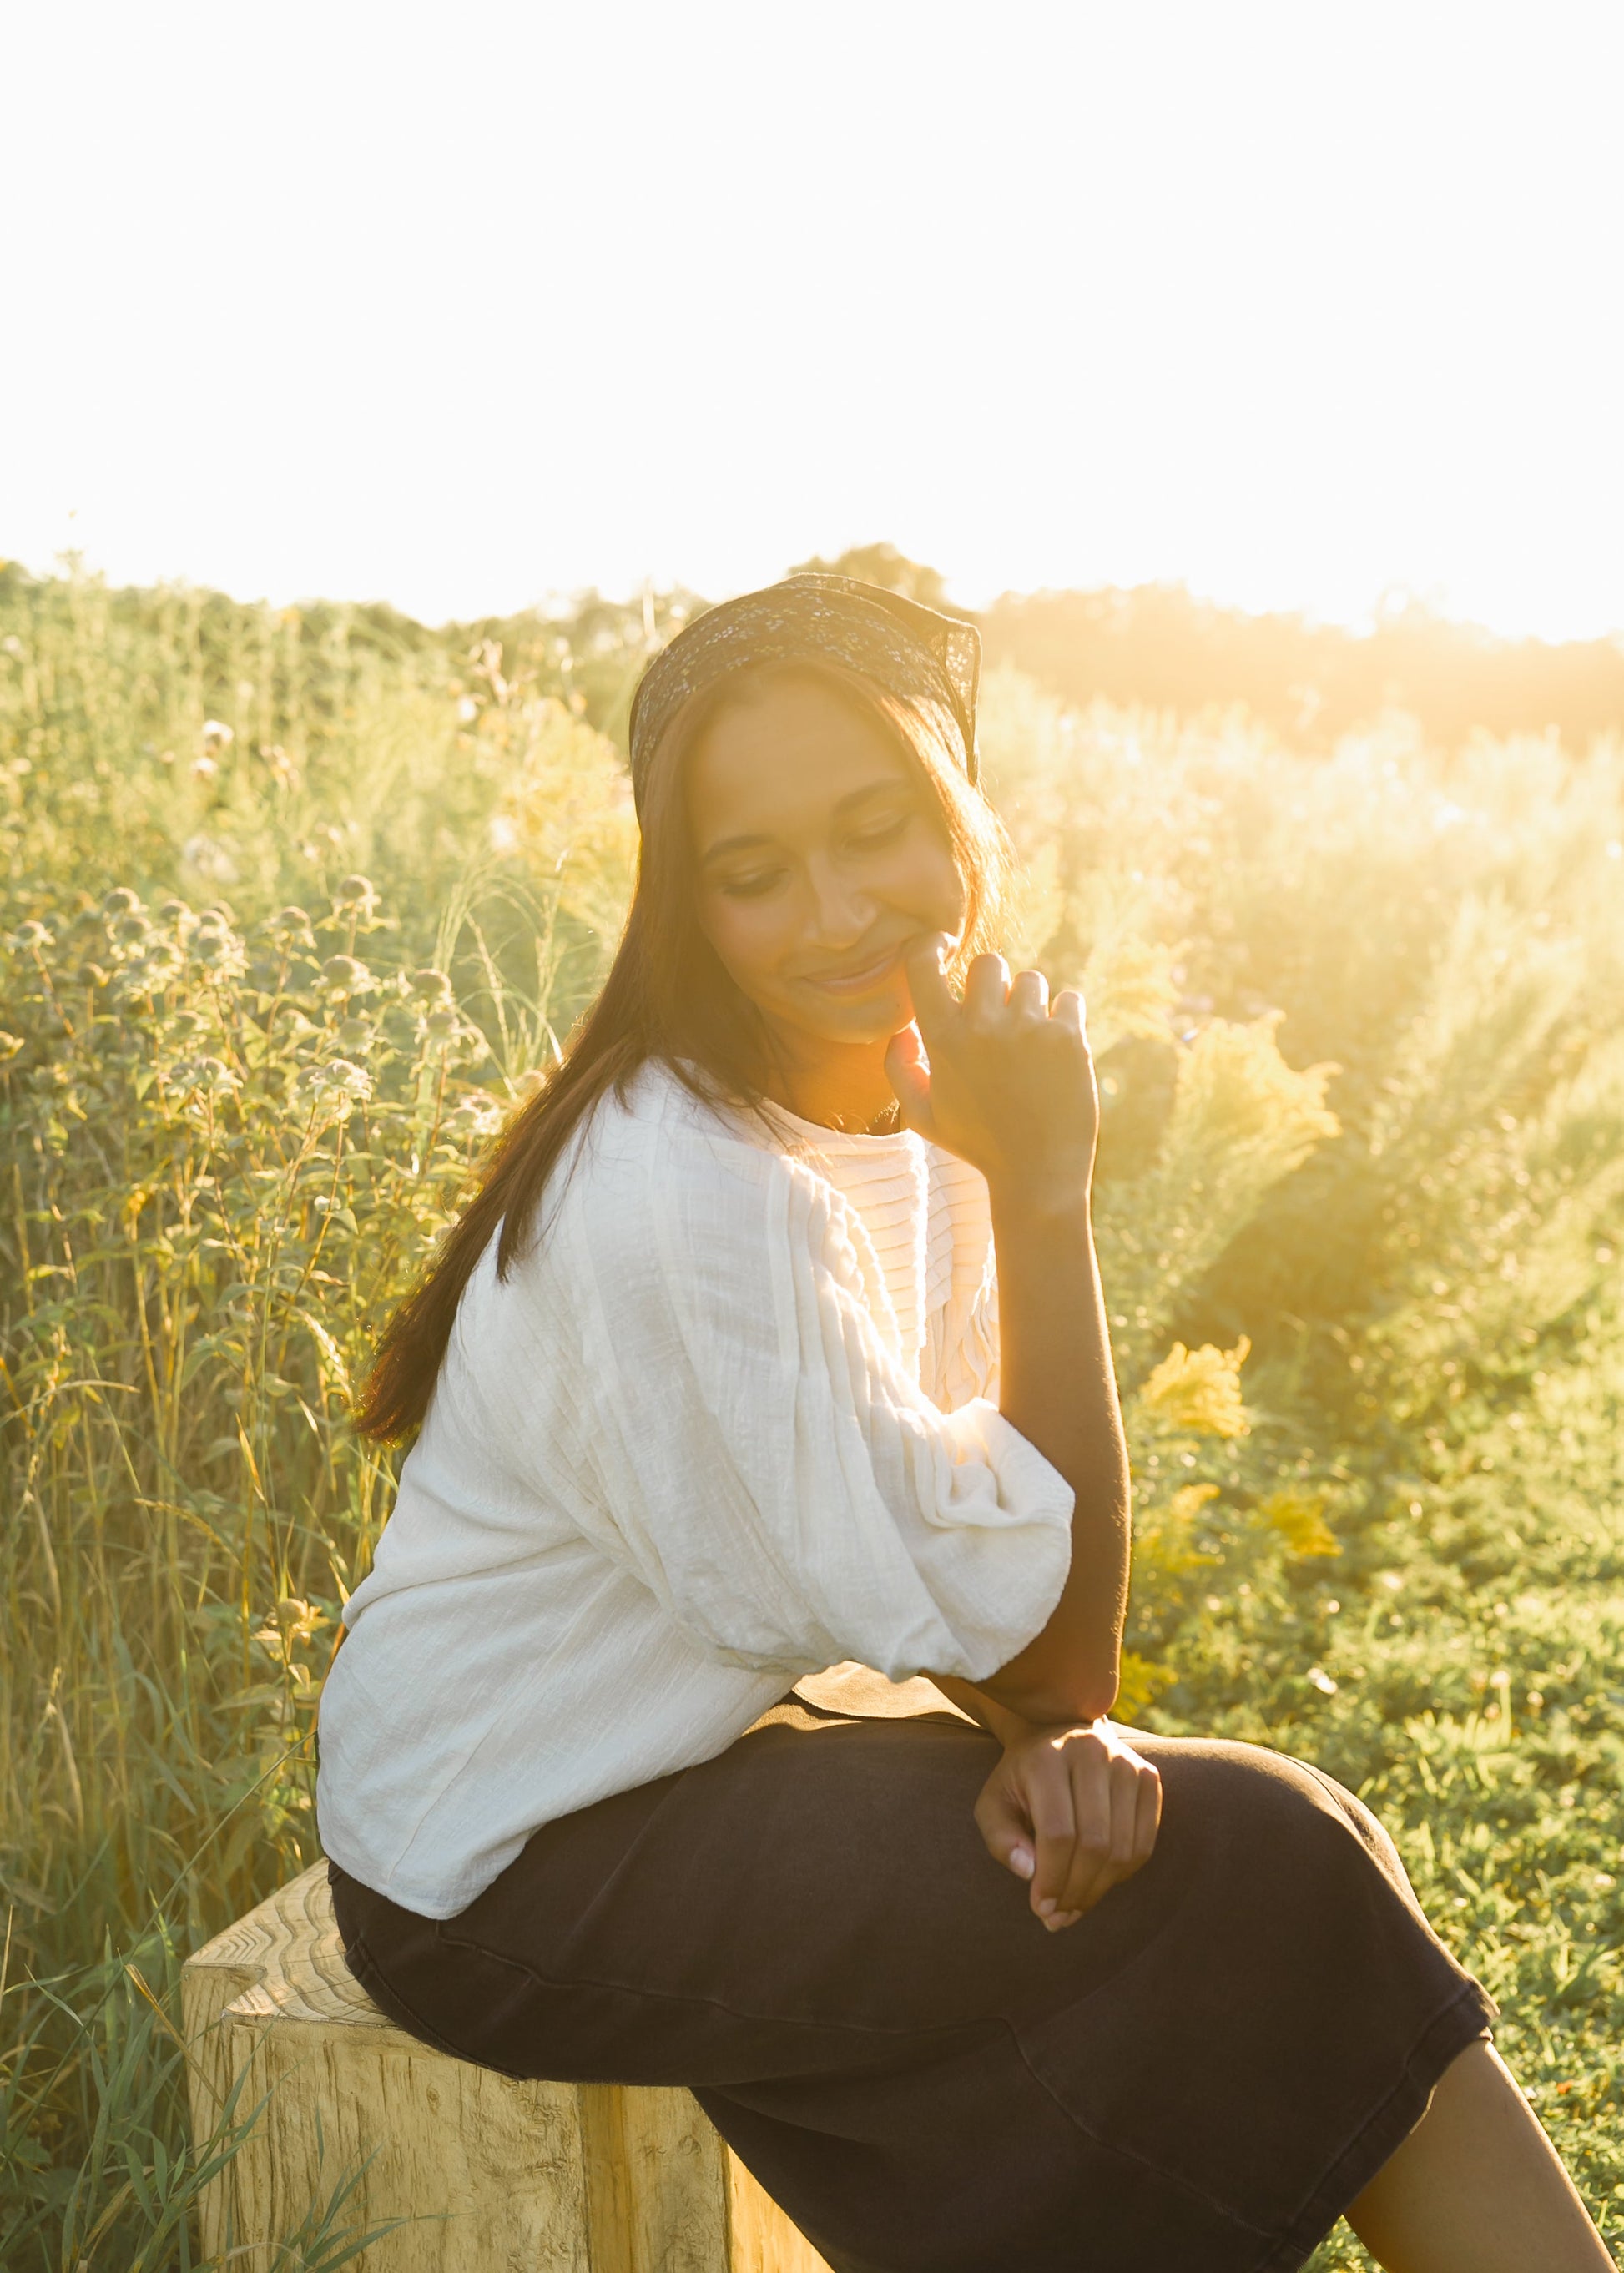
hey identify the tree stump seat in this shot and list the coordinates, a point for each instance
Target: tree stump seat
(488, 2175)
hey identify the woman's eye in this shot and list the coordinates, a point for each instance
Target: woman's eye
(751, 887)
(884, 834)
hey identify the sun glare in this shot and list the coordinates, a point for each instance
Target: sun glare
(1297, 306)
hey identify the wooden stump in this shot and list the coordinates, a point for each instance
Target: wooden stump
(491, 2176)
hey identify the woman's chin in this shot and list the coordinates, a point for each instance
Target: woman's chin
(869, 1019)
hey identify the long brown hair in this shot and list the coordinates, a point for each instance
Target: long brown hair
(667, 997)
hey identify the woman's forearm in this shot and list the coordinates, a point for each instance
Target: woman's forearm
(1058, 1388)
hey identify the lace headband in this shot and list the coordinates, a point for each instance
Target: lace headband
(928, 660)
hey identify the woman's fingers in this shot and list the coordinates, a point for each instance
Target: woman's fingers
(1116, 1808)
(934, 1006)
(908, 1072)
(1074, 1812)
(1001, 1818)
(1125, 1774)
(986, 993)
(1029, 996)
(1069, 1009)
(1147, 1814)
(1049, 1799)
(1093, 1800)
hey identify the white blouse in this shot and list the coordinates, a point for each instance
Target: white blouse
(727, 1422)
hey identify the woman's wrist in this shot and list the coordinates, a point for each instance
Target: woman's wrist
(998, 1720)
(1020, 1196)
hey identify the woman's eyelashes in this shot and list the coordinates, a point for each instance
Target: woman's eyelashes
(752, 887)
(757, 882)
(885, 832)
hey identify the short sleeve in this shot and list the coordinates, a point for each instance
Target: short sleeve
(763, 1462)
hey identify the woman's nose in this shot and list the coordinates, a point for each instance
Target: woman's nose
(841, 911)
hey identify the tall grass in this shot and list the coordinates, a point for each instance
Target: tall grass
(295, 909)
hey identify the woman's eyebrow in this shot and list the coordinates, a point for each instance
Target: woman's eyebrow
(841, 806)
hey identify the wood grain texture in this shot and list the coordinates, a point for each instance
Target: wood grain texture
(489, 2175)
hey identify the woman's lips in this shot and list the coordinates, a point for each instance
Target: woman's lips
(863, 980)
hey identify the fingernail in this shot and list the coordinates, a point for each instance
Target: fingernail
(1022, 1862)
(1061, 1920)
(1046, 1907)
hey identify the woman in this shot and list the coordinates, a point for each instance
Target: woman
(719, 1388)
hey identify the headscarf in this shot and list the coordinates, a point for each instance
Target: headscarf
(928, 660)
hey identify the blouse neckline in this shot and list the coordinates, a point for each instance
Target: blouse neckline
(841, 1140)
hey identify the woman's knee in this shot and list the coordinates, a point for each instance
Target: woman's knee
(1267, 1799)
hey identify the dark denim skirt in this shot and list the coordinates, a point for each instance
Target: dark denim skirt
(1202, 2074)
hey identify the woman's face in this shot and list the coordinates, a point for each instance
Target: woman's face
(820, 860)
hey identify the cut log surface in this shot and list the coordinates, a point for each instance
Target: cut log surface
(487, 2175)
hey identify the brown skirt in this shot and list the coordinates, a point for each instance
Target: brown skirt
(1203, 2072)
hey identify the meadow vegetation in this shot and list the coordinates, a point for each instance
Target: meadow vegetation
(295, 905)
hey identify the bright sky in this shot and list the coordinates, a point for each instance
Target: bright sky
(461, 305)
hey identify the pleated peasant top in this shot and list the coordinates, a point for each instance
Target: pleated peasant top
(729, 1422)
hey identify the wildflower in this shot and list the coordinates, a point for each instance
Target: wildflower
(30, 937)
(1317, 1677)
(357, 896)
(283, 770)
(219, 951)
(289, 927)
(203, 1078)
(477, 1116)
(173, 911)
(121, 901)
(344, 1078)
(217, 735)
(130, 930)
(204, 767)
(9, 1044)
(445, 1026)
(212, 858)
(336, 1080)
(1299, 1518)
(147, 973)
(344, 975)
(1200, 1390)
(429, 985)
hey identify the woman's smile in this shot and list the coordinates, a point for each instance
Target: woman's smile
(860, 977)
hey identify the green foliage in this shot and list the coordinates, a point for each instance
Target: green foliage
(227, 1141)
(296, 904)
(1401, 1207)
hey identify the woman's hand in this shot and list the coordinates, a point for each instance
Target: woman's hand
(1075, 1811)
(1003, 1078)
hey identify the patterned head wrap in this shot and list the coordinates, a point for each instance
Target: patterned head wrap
(928, 660)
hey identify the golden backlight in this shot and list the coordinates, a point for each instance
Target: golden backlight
(1296, 304)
